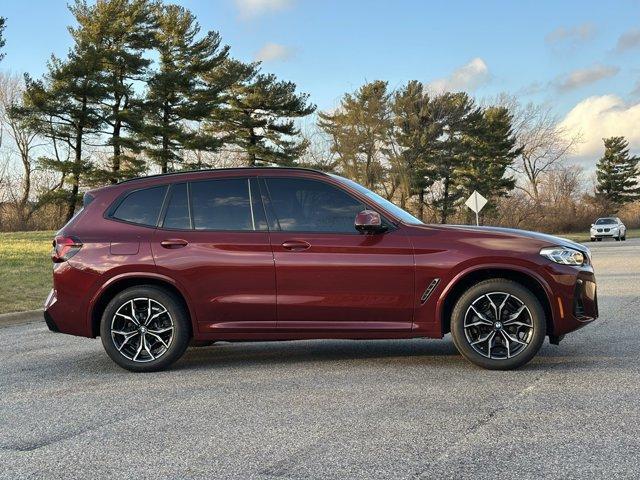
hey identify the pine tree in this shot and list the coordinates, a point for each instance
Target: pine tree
(259, 114)
(618, 172)
(61, 107)
(177, 97)
(416, 133)
(458, 118)
(360, 130)
(120, 31)
(492, 147)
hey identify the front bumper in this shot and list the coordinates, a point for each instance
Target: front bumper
(604, 234)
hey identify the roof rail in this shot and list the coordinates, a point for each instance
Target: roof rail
(184, 172)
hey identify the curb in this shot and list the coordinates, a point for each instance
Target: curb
(19, 318)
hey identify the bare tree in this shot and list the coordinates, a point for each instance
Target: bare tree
(23, 140)
(544, 143)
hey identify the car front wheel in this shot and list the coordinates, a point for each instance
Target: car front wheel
(145, 329)
(498, 324)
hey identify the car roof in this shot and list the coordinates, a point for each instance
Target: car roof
(214, 170)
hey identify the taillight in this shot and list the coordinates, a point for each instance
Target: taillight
(64, 248)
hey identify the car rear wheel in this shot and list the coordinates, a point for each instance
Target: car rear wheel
(498, 324)
(145, 329)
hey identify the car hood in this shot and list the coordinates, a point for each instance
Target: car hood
(550, 240)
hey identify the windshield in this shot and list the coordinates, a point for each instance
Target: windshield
(605, 221)
(403, 215)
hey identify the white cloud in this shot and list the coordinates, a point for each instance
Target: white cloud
(272, 52)
(599, 117)
(255, 8)
(628, 40)
(585, 76)
(573, 35)
(467, 77)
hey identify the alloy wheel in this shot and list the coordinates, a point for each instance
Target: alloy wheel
(142, 329)
(498, 325)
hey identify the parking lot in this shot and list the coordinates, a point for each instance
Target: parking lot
(332, 409)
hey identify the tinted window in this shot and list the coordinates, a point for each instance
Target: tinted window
(312, 206)
(177, 215)
(141, 206)
(221, 205)
(605, 221)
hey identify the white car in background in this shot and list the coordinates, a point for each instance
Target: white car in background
(608, 227)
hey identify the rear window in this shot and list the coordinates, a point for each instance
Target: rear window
(141, 206)
(222, 205)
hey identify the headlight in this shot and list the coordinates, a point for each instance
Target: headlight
(563, 255)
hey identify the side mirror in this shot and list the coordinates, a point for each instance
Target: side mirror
(369, 221)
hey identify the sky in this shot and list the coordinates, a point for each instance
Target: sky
(579, 57)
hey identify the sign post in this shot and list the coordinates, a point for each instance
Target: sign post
(476, 202)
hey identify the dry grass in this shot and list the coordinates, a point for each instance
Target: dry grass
(25, 270)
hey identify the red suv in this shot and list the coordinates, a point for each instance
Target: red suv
(155, 263)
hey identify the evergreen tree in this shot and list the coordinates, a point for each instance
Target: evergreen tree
(492, 150)
(361, 130)
(416, 133)
(2, 41)
(259, 114)
(617, 172)
(458, 118)
(61, 107)
(177, 97)
(120, 31)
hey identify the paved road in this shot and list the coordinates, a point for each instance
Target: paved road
(332, 409)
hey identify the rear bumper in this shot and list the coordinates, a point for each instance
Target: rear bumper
(65, 309)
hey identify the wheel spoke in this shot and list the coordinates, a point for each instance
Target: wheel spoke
(146, 346)
(484, 320)
(515, 315)
(504, 302)
(166, 345)
(490, 344)
(493, 306)
(156, 315)
(158, 332)
(135, 357)
(514, 339)
(488, 336)
(507, 344)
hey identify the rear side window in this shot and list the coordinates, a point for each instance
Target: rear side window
(223, 204)
(141, 206)
(177, 215)
(302, 205)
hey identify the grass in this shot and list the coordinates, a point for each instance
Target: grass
(25, 270)
(25, 267)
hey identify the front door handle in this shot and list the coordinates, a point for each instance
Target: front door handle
(174, 243)
(295, 245)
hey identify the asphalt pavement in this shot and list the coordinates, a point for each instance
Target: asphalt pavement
(406, 409)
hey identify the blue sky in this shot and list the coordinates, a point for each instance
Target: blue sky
(581, 57)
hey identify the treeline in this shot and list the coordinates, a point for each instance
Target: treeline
(143, 82)
(144, 89)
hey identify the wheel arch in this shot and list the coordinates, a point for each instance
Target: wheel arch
(465, 279)
(120, 283)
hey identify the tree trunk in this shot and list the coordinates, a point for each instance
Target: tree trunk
(115, 138)
(445, 201)
(421, 204)
(77, 165)
(164, 157)
(253, 141)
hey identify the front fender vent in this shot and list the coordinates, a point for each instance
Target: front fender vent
(429, 290)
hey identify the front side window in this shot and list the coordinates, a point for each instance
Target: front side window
(223, 204)
(141, 206)
(303, 205)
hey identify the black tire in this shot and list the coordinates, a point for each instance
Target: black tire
(618, 238)
(176, 322)
(593, 239)
(624, 237)
(534, 335)
(599, 239)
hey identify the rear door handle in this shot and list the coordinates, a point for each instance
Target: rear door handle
(174, 243)
(295, 245)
